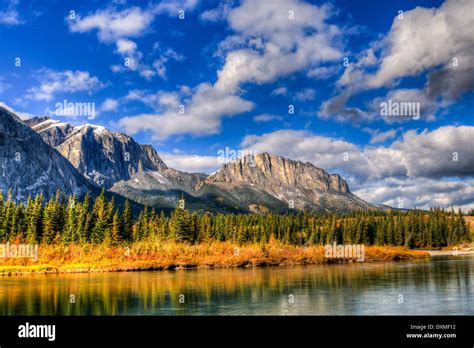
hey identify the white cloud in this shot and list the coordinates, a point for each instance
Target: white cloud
(9, 15)
(324, 72)
(125, 46)
(438, 41)
(444, 152)
(305, 94)
(200, 116)
(380, 137)
(426, 38)
(119, 26)
(158, 101)
(267, 118)
(172, 7)
(279, 91)
(278, 42)
(22, 115)
(112, 25)
(219, 13)
(191, 163)
(429, 168)
(419, 192)
(3, 86)
(68, 81)
(109, 105)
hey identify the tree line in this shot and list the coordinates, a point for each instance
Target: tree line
(68, 220)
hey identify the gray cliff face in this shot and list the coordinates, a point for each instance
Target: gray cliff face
(259, 184)
(30, 166)
(293, 184)
(102, 156)
(274, 172)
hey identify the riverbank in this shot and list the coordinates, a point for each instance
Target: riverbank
(167, 256)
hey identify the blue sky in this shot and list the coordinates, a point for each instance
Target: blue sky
(227, 74)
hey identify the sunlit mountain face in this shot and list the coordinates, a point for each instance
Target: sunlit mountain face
(380, 93)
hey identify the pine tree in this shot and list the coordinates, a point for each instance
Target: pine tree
(101, 220)
(116, 228)
(71, 222)
(9, 211)
(34, 217)
(47, 234)
(2, 218)
(127, 221)
(180, 226)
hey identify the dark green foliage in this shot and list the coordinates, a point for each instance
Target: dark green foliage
(67, 220)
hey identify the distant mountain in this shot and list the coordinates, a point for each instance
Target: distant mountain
(267, 182)
(30, 166)
(102, 156)
(259, 184)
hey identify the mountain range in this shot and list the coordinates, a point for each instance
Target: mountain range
(42, 155)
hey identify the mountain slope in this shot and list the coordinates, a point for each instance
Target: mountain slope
(102, 156)
(295, 185)
(259, 184)
(30, 166)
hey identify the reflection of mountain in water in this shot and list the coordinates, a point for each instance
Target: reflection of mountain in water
(318, 290)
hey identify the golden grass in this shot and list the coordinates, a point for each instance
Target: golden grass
(155, 255)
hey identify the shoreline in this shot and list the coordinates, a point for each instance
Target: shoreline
(449, 252)
(192, 257)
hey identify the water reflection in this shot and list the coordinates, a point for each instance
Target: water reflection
(440, 286)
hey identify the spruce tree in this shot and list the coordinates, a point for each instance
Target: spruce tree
(2, 218)
(127, 221)
(116, 232)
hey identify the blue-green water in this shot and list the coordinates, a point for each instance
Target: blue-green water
(441, 286)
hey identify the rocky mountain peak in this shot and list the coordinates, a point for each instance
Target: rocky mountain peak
(268, 170)
(103, 156)
(30, 166)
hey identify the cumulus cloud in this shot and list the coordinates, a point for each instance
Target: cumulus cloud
(109, 105)
(126, 46)
(444, 152)
(426, 38)
(438, 41)
(58, 82)
(419, 192)
(272, 39)
(112, 24)
(427, 168)
(324, 152)
(278, 41)
(201, 115)
(191, 163)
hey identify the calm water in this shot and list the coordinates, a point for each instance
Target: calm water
(444, 285)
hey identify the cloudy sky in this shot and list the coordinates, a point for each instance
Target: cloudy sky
(303, 79)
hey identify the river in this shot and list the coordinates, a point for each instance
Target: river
(443, 285)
